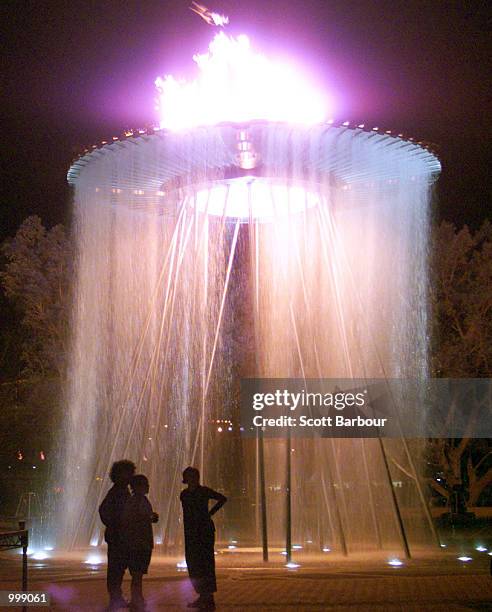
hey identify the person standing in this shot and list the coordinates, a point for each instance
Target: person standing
(137, 537)
(111, 513)
(199, 532)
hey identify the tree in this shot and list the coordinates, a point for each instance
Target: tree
(36, 279)
(462, 347)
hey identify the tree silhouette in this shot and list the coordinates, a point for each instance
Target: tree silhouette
(462, 346)
(36, 279)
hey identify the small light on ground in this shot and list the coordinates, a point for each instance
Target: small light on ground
(481, 548)
(181, 565)
(231, 547)
(464, 558)
(443, 545)
(297, 547)
(40, 555)
(326, 549)
(93, 560)
(284, 552)
(292, 565)
(48, 548)
(395, 562)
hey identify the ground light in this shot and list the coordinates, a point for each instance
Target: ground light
(465, 559)
(93, 559)
(292, 565)
(395, 562)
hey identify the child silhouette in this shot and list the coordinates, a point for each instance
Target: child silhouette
(137, 536)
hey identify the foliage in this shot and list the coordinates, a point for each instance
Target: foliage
(462, 346)
(462, 301)
(36, 279)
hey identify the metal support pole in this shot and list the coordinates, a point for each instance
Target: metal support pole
(396, 507)
(254, 258)
(288, 500)
(263, 506)
(25, 544)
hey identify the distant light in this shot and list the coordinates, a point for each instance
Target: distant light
(490, 554)
(465, 559)
(284, 552)
(94, 541)
(231, 546)
(297, 547)
(229, 429)
(309, 541)
(443, 545)
(48, 548)
(181, 565)
(292, 565)
(158, 541)
(480, 548)
(219, 429)
(93, 559)
(326, 549)
(40, 555)
(233, 541)
(395, 562)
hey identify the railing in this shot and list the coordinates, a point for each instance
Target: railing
(17, 539)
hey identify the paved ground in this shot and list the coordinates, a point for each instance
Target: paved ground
(425, 584)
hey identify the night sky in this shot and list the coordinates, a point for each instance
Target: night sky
(76, 72)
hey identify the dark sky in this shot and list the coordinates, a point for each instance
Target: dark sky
(75, 72)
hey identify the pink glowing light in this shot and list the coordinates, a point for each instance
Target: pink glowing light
(236, 84)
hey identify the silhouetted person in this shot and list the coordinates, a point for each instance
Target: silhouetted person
(137, 537)
(199, 531)
(111, 513)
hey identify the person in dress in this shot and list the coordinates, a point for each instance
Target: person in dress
(199, 532)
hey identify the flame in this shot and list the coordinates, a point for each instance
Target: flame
(236, 84)
(219, 20)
